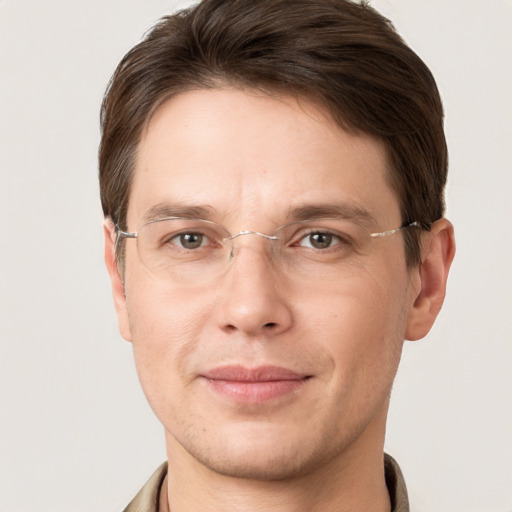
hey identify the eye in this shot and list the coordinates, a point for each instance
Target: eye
(320, 240)
(189, 240)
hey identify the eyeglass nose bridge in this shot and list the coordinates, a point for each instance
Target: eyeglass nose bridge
(247, 232)
(257, 233)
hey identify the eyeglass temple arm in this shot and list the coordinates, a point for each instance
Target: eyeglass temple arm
(415, 224)
(125, 234)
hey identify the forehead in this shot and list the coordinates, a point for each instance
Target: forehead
(243, 154)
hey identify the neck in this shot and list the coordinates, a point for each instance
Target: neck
(352, 481)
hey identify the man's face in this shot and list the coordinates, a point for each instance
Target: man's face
(206, 354)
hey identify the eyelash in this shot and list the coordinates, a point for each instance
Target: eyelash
(342, 240)
(296, 240)
(327, 240)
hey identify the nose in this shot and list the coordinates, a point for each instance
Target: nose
(254, 300)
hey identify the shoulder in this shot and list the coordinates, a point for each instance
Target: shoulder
(148, 497)
(396, 485)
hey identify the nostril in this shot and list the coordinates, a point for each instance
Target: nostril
(270, 324)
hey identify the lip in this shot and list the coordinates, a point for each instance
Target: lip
(254, 385)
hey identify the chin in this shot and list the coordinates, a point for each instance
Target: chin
(260, 454)
(260, 466)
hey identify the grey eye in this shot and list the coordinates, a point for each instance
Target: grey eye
(189, 240)
(319, 240)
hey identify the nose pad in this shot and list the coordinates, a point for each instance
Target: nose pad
(243, 233)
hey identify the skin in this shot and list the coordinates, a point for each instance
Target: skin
(250, 158)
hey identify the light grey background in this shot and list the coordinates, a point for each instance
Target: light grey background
(75, 431)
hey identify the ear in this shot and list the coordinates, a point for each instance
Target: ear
(116, 280)
(437, 255)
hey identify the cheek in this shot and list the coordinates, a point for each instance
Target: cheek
(363, 329)
(165, 327)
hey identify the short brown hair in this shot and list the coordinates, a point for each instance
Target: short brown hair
(342, 53)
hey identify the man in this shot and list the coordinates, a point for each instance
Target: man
(272, 176)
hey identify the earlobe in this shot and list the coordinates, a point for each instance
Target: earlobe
(437, 255)
(118, 292)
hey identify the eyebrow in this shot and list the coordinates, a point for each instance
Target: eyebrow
(164, 210)
(347, 211)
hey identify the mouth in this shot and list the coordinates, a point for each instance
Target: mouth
(254, 385)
